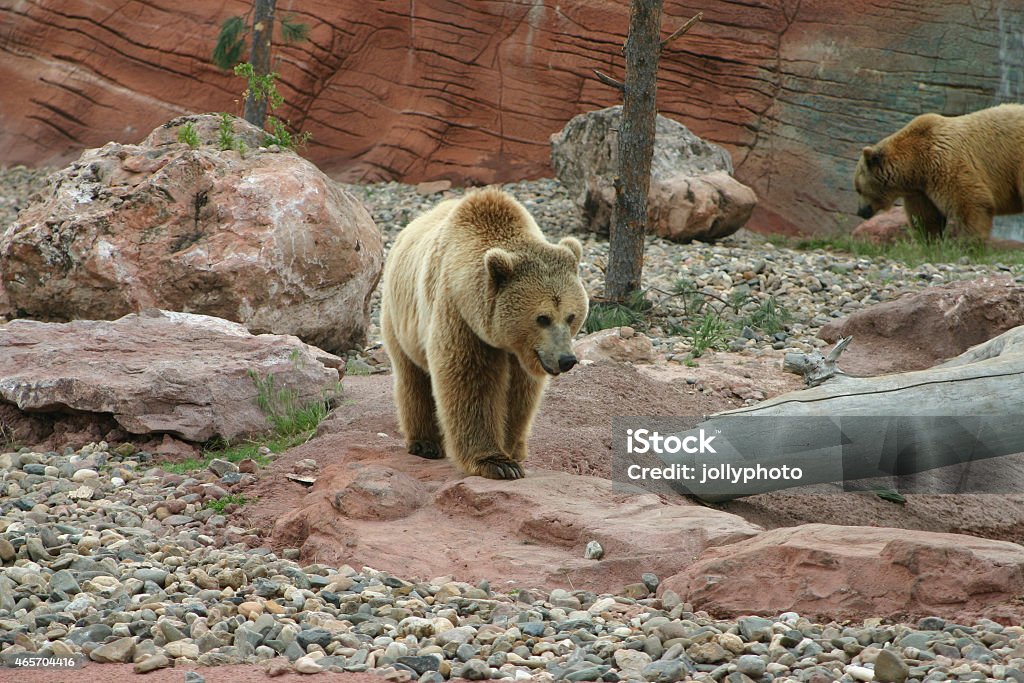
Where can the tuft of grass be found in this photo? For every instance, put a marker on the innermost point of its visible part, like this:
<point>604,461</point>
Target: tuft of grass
<point>710,332</point>
<point>286,414</point>
<point>293,423</point>
<point>221,503</point>
<point>188,135</point>
<point>606,314</point>
<point>355,369</point>
<point>770,317</point>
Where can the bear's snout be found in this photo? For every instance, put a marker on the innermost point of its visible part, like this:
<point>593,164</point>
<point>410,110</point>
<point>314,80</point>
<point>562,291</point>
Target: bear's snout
<point>566,362</point>
<point>865,211</point>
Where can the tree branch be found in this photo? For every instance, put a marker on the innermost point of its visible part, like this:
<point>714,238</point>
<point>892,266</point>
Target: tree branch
<point>609,81</point>
<point>682,29</point>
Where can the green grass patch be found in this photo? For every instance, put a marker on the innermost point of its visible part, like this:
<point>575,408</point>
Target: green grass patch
<point>287,415</point>
<point>770,317</point>
<point>354,368</point>
<point>607,314</point>
<point>293,423</point>
<point>221,503</point>
<point>913,250</point>
<point>710,332</point>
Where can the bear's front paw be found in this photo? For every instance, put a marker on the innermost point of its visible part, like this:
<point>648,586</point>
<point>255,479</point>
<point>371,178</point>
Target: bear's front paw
<point>499,467</point>
<point>431,450</point>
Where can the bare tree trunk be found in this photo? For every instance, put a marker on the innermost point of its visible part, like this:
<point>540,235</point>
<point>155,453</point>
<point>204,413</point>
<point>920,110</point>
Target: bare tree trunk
<point>636,147</point>
<point>259,57</point>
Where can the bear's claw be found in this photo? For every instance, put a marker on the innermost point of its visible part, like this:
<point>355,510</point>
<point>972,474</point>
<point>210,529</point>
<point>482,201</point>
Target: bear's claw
<point>430,450</point>
<point>500,467</point>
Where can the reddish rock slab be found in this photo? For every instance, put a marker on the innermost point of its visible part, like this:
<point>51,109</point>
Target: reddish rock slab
<point>157,373</point>
<point>792,89</point>
<point>424,519</point>
<point>919,329</point>
<point>848,572</point>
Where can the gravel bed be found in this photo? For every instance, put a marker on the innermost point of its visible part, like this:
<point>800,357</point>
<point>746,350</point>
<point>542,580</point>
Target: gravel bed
<point>108,557</point>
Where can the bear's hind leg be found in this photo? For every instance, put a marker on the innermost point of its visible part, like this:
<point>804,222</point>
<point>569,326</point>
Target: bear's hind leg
<point>415,402</point>
<point>976,222</point>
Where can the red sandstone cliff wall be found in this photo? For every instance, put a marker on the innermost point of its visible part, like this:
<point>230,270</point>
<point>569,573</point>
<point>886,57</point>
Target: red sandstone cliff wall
<point>471,89</point>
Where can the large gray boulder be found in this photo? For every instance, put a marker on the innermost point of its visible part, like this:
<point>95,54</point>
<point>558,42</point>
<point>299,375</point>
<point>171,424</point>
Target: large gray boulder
<point>692,196</point>
<point>260,237</point>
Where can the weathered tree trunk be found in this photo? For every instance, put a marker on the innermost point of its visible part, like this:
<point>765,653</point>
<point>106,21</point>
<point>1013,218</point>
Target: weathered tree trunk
<point>259,57</point>
<point>953,418</point>
<point>636,147</point>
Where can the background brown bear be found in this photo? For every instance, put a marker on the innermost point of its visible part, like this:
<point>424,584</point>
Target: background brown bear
<point>953,173</point>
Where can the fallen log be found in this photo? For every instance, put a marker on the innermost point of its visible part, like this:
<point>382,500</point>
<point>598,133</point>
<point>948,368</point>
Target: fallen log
<point>959,417</point>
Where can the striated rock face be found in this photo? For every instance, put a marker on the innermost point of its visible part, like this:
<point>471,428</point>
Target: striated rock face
<point>158,372</point>
<point>263,238</point>
<point>917,330</point>
<point>692,194</point>
<point>846,572</point>
<point>792,89</point>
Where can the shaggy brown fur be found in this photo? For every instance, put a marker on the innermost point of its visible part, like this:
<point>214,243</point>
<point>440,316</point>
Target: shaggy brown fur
<point>954,173</point>
<point>478,310</point>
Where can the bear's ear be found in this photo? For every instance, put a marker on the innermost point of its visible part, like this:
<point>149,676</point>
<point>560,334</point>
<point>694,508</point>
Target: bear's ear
<point>573,245</point>
<point>501,265</point>
<point>873,157</point>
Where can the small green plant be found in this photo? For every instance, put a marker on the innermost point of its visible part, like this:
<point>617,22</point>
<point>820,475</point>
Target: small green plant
<point>282,137</point>
<point>710,333</point>
<point>221,503</point>
<point>770,317</point>
<point>286,414</point>
<point>188,135</point>
<point>293,423</point>
<point>226,135</point>
<point>264,88</point>
<point>355,369</point>
<point>604,315</point>
<point>692,298</point>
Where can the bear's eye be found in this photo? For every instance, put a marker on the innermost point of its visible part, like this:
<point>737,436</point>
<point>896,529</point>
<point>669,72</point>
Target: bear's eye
<point>571,319</point>
<point>543,320</point>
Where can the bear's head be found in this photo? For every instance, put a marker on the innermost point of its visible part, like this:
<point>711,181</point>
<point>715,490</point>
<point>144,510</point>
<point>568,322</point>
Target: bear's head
<point>538,303</point>
<point>874,182</point>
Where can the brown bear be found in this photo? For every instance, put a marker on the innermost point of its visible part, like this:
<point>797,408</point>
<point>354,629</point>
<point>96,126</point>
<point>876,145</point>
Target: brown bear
<point>478,311</point>
<point>953,173</point>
